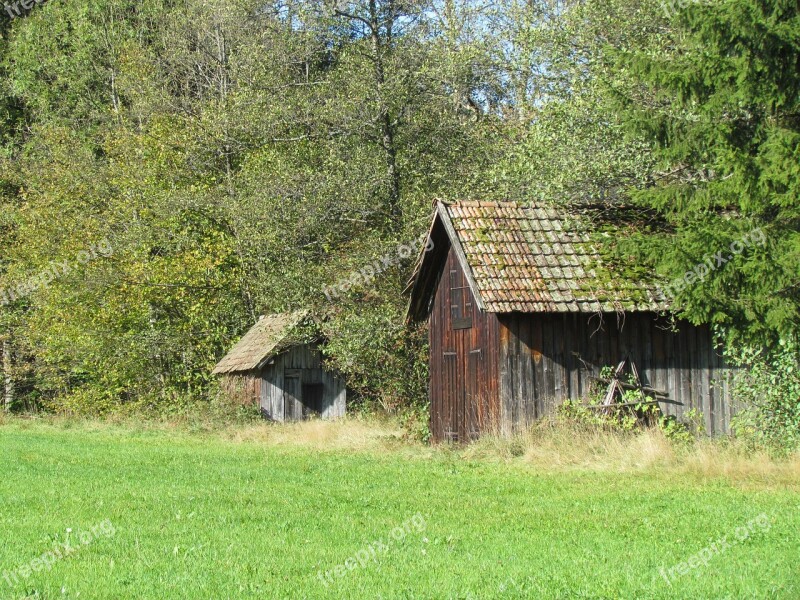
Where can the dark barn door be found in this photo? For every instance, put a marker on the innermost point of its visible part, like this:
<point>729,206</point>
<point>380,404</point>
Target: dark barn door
<point>312,399</point>
<point>292,395</point>
<point>303,395</point>
<point>448,410</point>
<point>465,410</point>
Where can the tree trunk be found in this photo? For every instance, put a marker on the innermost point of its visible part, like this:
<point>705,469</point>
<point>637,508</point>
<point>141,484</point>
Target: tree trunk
<point>387,127</point>
<point>8,379</point>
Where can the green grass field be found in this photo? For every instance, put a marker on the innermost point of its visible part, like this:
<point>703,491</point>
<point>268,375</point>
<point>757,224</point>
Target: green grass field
<point>179,515</point>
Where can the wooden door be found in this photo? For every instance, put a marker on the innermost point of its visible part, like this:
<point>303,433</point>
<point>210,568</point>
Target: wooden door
<point>477,409</point>
<point>453,388</point>
<point>292,395</point>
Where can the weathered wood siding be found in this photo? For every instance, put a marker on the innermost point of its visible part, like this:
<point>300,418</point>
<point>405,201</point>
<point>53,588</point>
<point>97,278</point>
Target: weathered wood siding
<point>546,359</point>
<point>295,382</point>
<point>463,348</point>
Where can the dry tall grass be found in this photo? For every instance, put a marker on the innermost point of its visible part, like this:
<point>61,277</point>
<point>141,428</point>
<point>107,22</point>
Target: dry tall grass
<point>545,447</point>
<point>561,446</point>
<point>344,434</point>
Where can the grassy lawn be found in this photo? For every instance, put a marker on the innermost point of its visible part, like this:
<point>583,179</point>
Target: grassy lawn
<point>177,515</point>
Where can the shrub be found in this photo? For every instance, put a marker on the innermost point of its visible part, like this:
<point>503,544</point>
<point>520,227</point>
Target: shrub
<point>629,418</point>
<point>768,385</point>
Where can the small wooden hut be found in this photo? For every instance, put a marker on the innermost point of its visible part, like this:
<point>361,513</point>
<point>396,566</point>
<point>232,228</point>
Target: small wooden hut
<point>277,365</point>
<point>523,315</point>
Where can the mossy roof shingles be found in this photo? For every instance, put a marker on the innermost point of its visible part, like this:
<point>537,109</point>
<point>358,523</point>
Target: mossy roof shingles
<point>269,337</point>
<point>535,259</point>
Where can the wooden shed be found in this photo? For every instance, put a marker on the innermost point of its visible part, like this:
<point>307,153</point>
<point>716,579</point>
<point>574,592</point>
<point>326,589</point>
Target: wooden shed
<point>277,365</point>
<point>523,315</point>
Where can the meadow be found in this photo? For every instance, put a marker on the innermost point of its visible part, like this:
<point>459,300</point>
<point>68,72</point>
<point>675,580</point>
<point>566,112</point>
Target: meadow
<point>98,510</point>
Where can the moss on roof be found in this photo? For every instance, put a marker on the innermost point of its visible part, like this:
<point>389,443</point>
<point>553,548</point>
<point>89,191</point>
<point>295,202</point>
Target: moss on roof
<point>270,336</point>
<point>537,259</point>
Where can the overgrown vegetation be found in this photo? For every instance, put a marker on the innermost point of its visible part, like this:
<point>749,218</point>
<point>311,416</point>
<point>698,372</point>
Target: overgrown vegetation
<point>769,386</point>
<point>239,157</point>
<point>632,412</point>
<point>766,384</point>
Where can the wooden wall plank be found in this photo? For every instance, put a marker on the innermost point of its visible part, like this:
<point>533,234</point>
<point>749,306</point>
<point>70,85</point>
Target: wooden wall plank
<point>644,324</point>
<point>516,348</point>
<point>536,327</point>
<point>605,354</point>
<point>548,372</point>
<point>559,375</point>
<point>574,345</point>
<point>685,360</point>
<point>527,401</point>
<point>492,372</point>
<point>565,361</point>
<point>506,380</point>
<point>702,376</point>
<point>657,367</point>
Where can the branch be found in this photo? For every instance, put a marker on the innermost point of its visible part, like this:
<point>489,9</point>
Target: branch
<point>346,15</point>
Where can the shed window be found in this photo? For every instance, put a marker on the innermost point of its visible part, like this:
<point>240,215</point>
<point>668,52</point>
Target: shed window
<point>460,301</point>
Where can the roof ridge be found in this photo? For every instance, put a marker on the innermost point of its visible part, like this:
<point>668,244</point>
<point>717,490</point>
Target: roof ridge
<point>515,204</point>
<point>483,203</point>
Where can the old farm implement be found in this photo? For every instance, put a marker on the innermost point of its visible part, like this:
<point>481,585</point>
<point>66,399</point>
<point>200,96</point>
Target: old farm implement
<point>627,397</point>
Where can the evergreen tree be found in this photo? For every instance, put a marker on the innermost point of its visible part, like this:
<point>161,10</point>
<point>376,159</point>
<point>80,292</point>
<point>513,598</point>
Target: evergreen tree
<point>719,104</point>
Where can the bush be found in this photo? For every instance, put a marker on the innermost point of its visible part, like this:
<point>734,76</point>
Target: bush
<point>415,421</point>
<point>768,385</point>
<point>384,362</point>
<point>629,418</point>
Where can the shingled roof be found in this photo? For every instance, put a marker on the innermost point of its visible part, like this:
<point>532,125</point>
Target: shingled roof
<point>267,338</point>
<point>527,259</point>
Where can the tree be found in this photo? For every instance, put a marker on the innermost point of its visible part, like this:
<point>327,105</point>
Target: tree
<point>719,105</point>
<point>238,158</point>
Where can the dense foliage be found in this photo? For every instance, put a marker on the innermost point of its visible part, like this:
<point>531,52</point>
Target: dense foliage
<point>171,170</point>
<point>769,386</point>
<point>237,158</point>
<point>720,108</point>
